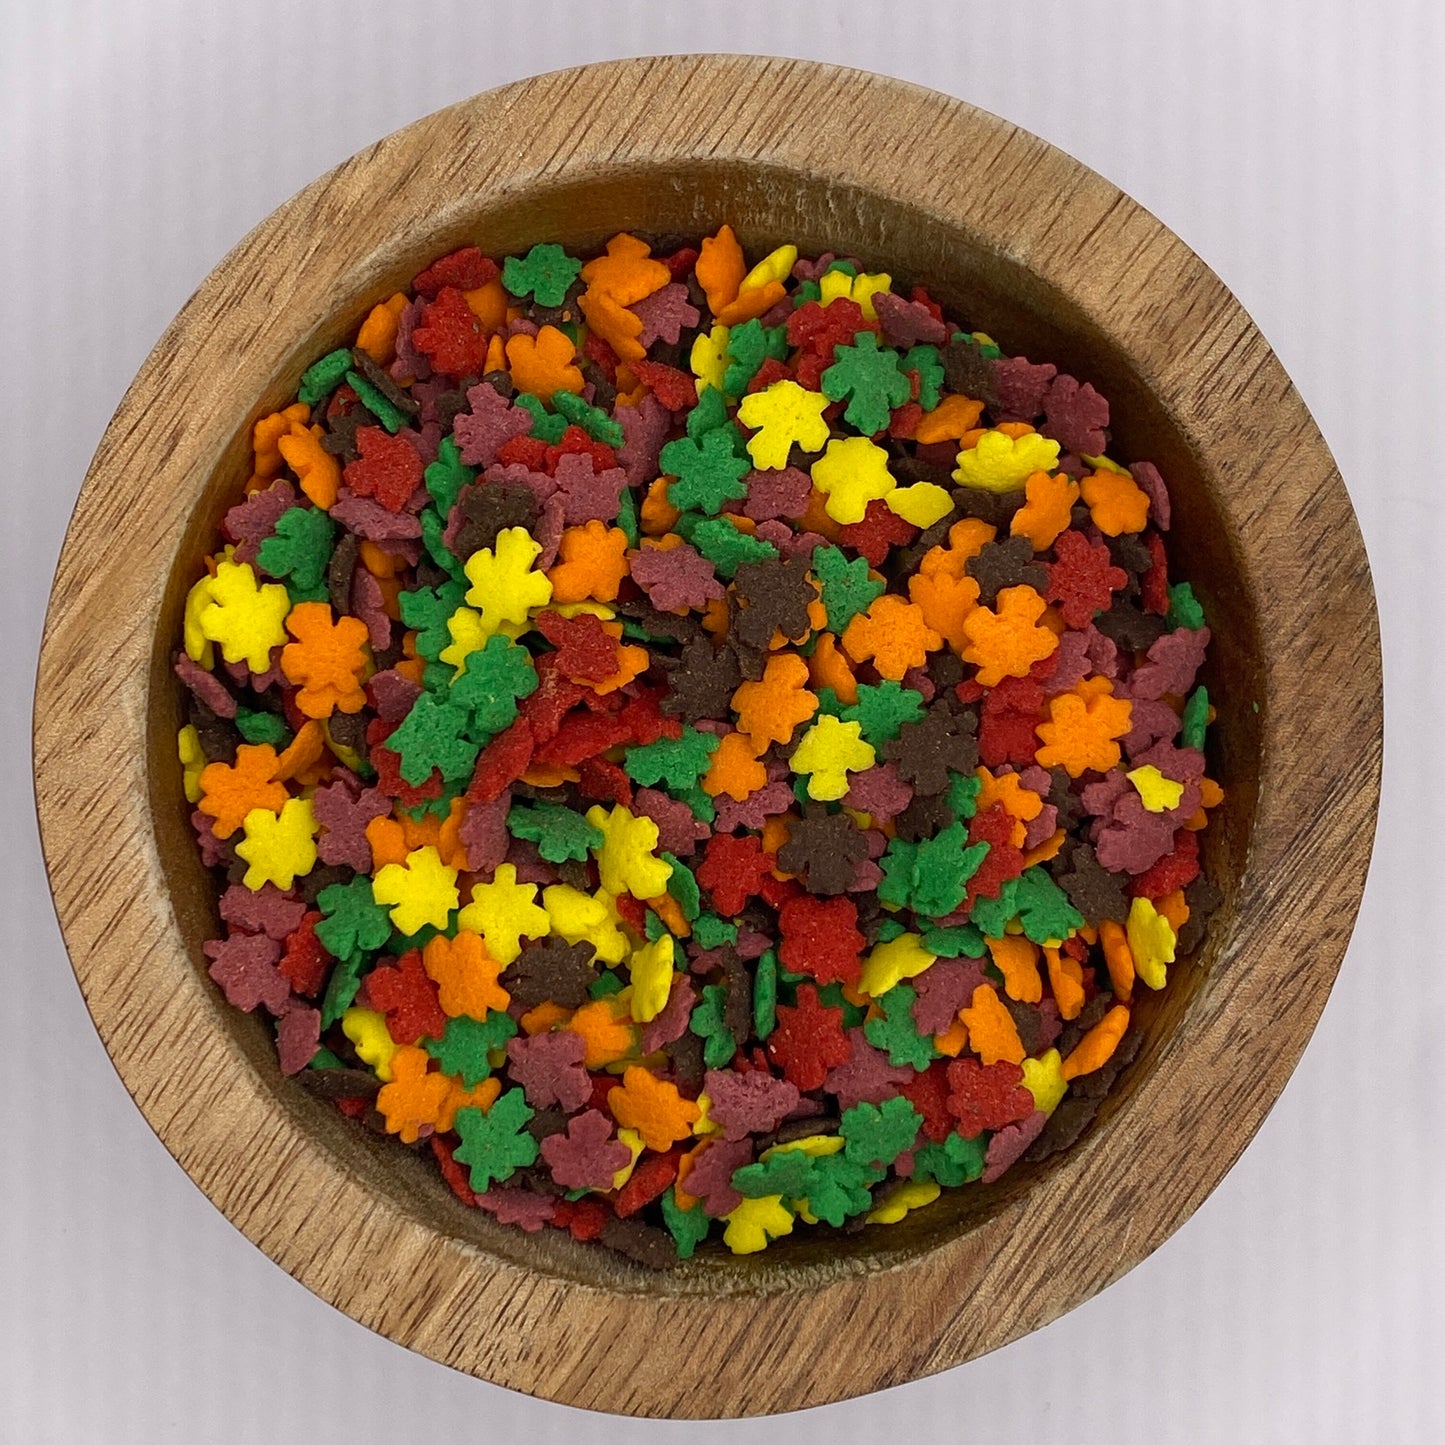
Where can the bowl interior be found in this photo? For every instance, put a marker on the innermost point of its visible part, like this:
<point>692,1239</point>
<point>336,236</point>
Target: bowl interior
<point>977,283</point>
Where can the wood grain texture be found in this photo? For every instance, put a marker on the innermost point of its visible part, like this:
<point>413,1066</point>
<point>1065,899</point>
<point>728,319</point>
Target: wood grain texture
<point>1029,245</point>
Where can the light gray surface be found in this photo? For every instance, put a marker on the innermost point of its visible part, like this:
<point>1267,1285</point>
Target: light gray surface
<point>1292,143</point>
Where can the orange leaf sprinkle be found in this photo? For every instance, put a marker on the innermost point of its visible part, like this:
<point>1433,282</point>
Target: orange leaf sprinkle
<point>465,975</point>
<point>304,752</point>
<point>381,564</point>
<point>1047,510</point>
<point>1097,1046</point>
<point>591,563</point>
<point>543,364</point>
<point>1018,960</point>
<point>488,304</point>
<point>1116,503</point>
<point>777,829</point>
<point>828,667</point>
<point>1174,909</point>
<point>1021,803</point>
<point>1118,957</point>
<point>266,459</point>
<point>717,617</point>
<point>1049,848</point>
<point>735,769</point>
<point>893,634</point>
<point>422,832</point>
<point>945,601</point>
<point>1083,734</point>
<point>684,1168</point>
<point>614,323</point>
<point>1011,429</point>
<point>543,1019</point>
<point>449,840</point>
<point>414,1097</point>
<point>815,517</point>
<point>966,538</point>
<point>670,911</point>
<point>482,1097</point>
<point>654,1108</point>
<point>720,268</point>
<point>327,659</point>
<point>377,337</point>
<point>1005,640</point>
<point>387,840</point>
<point>953,1040</point>
<point>627,272</point>
<point>769,710</point>
<point>606,1036</point>
<point>318,472</point>
<point>1066,979</point>
<point>755,301</point>
<point>992,1033</point>
<point>615,281</point>
<point>541,775</point>
<point>632,661</point>
<point>953,417</point>
<point>231,790</point>
<point>657,515</point>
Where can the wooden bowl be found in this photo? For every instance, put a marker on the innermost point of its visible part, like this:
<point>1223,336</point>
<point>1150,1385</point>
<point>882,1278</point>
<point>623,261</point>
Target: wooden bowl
<point>1030,246</point>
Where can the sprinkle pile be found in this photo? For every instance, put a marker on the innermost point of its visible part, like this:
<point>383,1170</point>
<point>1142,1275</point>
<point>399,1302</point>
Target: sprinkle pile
<point>699,748</point>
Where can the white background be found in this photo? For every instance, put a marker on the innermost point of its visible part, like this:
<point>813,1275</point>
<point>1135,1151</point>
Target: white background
<point>1295,144</point>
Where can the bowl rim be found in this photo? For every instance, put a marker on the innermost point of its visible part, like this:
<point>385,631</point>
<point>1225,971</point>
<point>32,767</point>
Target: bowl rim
<point>594,1344</point>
